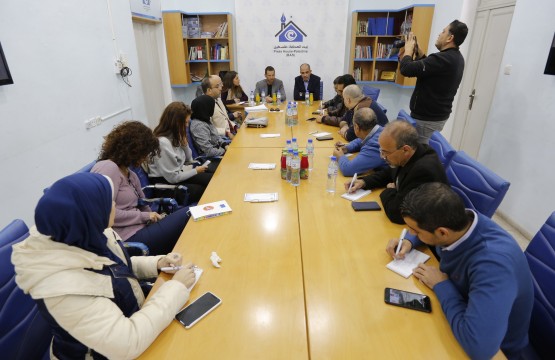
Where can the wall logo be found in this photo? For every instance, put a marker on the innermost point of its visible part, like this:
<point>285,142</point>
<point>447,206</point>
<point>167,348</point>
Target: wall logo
<point>146,2</point>
<point>290,32</point>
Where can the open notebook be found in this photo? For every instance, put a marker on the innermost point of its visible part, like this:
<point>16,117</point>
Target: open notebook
<point>404,267</point>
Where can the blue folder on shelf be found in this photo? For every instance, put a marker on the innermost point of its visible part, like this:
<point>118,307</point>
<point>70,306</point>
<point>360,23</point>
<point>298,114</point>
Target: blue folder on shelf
<point>371,27</point>
<point>381,26</point>
<point>390,23</point>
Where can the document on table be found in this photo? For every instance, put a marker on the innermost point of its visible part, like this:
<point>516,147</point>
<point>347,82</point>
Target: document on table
<point>269,135</point>
<point>261,197</point>
<point>318,134</point>
<point>404,267</point>
<point>262,166</point>
<point>256,108</point>
<point>356,195</point>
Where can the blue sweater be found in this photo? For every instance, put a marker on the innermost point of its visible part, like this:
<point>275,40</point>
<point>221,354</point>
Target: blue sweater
<point>368,158</point>
<point>489,296</point>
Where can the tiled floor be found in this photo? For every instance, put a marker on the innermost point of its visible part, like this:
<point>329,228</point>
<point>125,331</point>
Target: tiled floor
<point>519,237</point>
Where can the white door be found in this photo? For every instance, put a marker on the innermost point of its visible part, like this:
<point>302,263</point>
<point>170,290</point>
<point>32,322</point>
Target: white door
<point>150,63</point>
<point>489,35</point>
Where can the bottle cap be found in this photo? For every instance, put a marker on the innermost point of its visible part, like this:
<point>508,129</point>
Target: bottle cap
<point>294,139</point>
<point>333,158</point>
<point>309,140</point>
<point>288,142</point>
<point>295,152</point>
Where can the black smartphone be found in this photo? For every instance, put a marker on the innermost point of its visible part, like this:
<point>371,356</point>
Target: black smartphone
<point>317,112</point>
<point>311,119</point>
<point>325,137</point>
<point>198,309</point>
<point>366,206</point>
<point>408,300</point>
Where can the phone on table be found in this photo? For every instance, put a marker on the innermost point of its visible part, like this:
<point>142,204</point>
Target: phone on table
<point>198,309</point>
<point>408,300</point>
<point>365,206</point>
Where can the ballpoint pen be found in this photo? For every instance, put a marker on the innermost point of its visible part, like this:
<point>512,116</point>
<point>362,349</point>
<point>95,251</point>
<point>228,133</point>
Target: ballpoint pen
<point>175,268</point>
<point>403,233</point>
<point>352,182</point>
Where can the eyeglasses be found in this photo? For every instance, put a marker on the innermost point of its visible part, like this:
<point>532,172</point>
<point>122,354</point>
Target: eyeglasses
<point>275,109</point>
<point>384,154</point>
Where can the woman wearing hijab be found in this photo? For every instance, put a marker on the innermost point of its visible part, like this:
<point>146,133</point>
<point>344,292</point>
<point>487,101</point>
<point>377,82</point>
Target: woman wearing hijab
<point>205,135</point>
<point>130,144</point>
<point>85,285</point>
<point>175,164</point>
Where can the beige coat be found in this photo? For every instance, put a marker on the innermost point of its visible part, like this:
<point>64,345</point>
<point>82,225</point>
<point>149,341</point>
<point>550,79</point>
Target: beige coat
<point>220,119</point>
<point>79,300</point>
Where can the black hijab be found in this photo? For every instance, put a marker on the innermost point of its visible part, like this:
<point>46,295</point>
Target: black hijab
<point>203,108</point>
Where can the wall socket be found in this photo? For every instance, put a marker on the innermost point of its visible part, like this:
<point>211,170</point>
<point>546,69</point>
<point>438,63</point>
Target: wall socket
<point>95,121</point>
<point>120,62</point>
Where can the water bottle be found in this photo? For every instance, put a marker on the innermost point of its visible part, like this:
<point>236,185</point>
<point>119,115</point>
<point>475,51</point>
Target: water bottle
<point>332,175</point>
<point>278,98</point>
<point>295,169</point>
<point>251,99</point>
<point>294,144</point>
<point>288,164</point>
<point>310,153</point>
<point>288,145</point>
<point>289,116</point>
<point>295,115</point>
<point>307,98</point>
<point>263,97</point>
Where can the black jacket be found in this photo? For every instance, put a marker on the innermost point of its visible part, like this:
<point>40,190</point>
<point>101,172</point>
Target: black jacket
<point>313,87</point>
<point>438,78</point>
<point>423,167</point>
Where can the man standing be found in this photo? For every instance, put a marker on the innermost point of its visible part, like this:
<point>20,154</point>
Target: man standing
<point>306,82</point>
<point>270,85</point>
<point>410,165</point>
<point>368,131</point>
<point>483,282</point>
<point>438,78</point>
<point>212,86</point>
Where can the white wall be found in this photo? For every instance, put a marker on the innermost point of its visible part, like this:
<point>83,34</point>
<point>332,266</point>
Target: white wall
<point>518,140</point>
<point>61,58</point>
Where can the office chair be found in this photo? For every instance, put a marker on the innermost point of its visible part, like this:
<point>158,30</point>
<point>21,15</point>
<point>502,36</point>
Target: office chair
<point>24,334</point>
<point>321,90</point>
<point>161,197</point>
<point>540,254</point>
<point>480,188</point>
<point>405,116</point>
<point>442,147</point>
<point>371,92</point>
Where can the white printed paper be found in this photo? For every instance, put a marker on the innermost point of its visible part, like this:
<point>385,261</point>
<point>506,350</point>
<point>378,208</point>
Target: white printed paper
<point>262,166</point>
<point>269,135</point>
<point>261,197</point>
<point>356,195</point>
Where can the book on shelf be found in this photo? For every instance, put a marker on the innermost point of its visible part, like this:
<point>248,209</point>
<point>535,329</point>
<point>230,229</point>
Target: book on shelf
<point>357,73</point>
<point>362,27</point>
<point>222,30</point>
<point>363,52</point>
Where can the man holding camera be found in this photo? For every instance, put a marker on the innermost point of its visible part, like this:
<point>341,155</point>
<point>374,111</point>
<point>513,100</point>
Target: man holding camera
<point>438,78</point>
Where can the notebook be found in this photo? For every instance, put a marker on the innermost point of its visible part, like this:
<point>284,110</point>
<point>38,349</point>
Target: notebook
<point>404,267</point>
<point>209,210</point>
<point>356,195</point>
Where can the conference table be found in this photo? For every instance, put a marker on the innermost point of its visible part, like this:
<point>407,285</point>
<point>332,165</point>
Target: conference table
<point>302,277</point>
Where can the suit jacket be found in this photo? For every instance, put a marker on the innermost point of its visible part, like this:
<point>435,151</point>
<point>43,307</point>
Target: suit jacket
<point>262,85</point>
<point>220,119</point>
<point>423,167</point>
<point>313,87</point>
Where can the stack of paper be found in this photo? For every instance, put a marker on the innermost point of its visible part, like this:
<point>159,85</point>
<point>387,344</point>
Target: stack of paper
<point>209,210</point>
<point>262,166</point>
<point>260,107</point>
<point>261,197</point>
<point>404,267</point>
<point>356,195</point>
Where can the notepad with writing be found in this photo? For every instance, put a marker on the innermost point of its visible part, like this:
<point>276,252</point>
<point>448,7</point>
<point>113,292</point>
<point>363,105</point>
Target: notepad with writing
<point>356,195</point>
<point>209,210</point>
<point>404,267</point>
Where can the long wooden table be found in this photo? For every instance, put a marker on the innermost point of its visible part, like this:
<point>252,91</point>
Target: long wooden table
<point>301,278</point>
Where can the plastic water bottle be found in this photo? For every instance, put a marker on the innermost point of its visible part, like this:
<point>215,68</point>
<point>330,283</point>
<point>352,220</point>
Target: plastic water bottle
<point>332,175</point>
<point>295,114</point>
<point>310,153</point>
<point>294,144</point>
<point>295,169</point>
<point>288,145</point>
<point>251,99</point>
<point>289,116</point>
<point>279,98</point>
<point>288,164</point>
<point>263,97</point>
<point>307,98</point>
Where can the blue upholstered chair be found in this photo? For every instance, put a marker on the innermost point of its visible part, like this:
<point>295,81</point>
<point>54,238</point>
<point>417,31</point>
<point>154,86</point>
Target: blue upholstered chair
<point>479,187</point>
<point>540,254</point>
<point>405,116</point>
<point>371,92</point>
<point>24,334</point>
<point>442,147</point>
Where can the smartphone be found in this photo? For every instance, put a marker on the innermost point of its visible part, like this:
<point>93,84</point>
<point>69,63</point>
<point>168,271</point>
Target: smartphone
<point>317,112</point>
<point>325,137</point>
<point>311,119</point>
<point>206,163</point>
<point>198,309</point>
<point>408,300</point>
<point>366,206</point>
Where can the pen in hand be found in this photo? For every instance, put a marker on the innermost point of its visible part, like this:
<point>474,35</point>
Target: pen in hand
<point>403,234</point>
<point>352,182</point>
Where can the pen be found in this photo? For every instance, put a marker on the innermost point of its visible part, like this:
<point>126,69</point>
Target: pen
<point>171,268</point>
<point>403,233</point>
<point>352,182</point>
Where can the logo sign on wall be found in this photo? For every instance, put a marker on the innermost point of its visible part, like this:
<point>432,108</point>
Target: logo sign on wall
<point>290,33</point>
<point>146,9</point>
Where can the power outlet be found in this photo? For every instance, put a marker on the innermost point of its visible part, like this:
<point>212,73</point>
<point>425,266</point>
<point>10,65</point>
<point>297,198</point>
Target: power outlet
<point>89,124</point>
<point>120,62</point>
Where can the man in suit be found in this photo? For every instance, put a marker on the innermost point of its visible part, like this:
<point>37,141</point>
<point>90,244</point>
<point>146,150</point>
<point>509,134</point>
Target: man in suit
<point>410,165</point>
<point>212,86</point>
<point>307,81</point>
<point>270,85</point>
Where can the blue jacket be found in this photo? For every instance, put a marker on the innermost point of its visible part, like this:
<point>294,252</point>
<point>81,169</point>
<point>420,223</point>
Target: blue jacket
<point>368,157</point>
<point>489,296</point>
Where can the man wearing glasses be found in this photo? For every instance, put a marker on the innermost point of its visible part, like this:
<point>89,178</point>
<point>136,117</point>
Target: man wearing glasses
<point>410,165</point>
<point>212,86</point>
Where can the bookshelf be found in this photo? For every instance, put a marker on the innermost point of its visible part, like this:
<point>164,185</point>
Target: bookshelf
<point>372,37</point>
<point>197,45</point>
